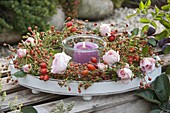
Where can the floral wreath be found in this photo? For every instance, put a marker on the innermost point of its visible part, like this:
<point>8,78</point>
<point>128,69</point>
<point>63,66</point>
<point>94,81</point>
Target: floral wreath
<point>126,55</point>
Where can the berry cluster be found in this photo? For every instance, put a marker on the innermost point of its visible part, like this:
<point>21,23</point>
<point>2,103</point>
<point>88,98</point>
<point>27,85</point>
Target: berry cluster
<point>123,58</point>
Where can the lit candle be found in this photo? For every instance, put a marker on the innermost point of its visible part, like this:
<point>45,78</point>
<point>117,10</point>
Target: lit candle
<point>83,51</point>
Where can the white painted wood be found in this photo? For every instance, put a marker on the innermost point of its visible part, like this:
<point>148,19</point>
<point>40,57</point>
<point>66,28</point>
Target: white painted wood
<point>98,88</point>
<point>34,91</point>
<point>87,98</point>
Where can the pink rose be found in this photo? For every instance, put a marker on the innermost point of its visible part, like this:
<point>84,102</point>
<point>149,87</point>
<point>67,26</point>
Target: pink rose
<point>21,52</point>
<point>105,29</point>
<point>111,57</point>
<point>29,41</point>
<point>102,66</point>
<point>26,68</point>
<point>127,65</point>
<point>125,74</point>
<point>60,62</point>
<point>147,64</point>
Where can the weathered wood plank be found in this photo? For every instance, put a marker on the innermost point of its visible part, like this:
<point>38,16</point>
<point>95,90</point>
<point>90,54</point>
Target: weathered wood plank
<point>97,103</point>
<point>137,106</point>
<point>166,59</point>
<point>4,62</point>
<point>27,98</point>
<point>158,50</point>
<point>11,86</point>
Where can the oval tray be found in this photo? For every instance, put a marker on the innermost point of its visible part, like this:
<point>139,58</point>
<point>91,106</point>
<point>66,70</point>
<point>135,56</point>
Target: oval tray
<point>97,88</point>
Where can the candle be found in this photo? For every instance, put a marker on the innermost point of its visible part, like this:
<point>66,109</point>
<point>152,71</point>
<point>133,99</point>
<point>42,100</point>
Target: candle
<point>83,51</point>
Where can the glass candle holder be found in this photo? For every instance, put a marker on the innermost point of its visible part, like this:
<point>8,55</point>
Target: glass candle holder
<point>83,47</point>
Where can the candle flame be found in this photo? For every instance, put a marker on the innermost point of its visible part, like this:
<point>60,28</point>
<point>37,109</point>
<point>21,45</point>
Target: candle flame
<point>84,45</point>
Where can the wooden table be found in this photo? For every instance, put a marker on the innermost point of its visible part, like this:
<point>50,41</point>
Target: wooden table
<point>44,103</point>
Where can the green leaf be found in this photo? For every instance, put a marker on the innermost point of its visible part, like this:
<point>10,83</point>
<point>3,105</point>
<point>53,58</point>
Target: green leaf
<point>19,74</point>
<point>162,87</point>
<point>141,5</point>
<point>114,78</point>
<point>167,49</point>
<point>145,28</point>
<point>148,95</point>
<point>152,41</point>
<point>135,31</point>
<point>155,111</point>
<point>165,23</point>
<point>28,109</point>
<point>148,3</point>
<point>165,106</point>
<point>168,1</point>
<point>154,24</point>
<point>167,17</point>
<point>153,14</point>
<point>156,9</point>
<point>132,15</point>
<point>165,7</point>
<point>144,11</point>
<point>168,70</point>
<point>145,49</point>
<point>161,14</point>
<point>162,35</point>
<point>158,18</point>
<point>144,20</point>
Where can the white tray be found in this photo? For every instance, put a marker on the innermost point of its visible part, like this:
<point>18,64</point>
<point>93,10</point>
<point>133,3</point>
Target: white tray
<point>98,88</point>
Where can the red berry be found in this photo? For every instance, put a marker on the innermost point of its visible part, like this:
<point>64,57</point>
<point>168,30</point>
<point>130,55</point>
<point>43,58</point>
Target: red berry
<point>113,32</point>
<point>130,58</point>
<point>95,24</point>
<point>69,18</point>
<point>79,90</point>
<point>41,77</point>
<point>42,33</point>
<point>141,87</point>
<point>144,87</point>
<point>91,67</point>
<point>29,29</point>
<point>43,65</point>
<point>43,71</point>
<point>85,72</point>
<point>94,59</point>
<point>111,38</point>
<point>69,24</point>
<point>141,83</point>
<point>130,62</point>
<point>148,85</point>
<point>69,88</point>
<point>36,27</point>
<point>73,29</point>
<point>132,49</point>
<point>16,66</point>
<point>46,77</point>
<point>58,32</point>
<point>136,58</point>
<point>149,78</point>
<point>52,27</point>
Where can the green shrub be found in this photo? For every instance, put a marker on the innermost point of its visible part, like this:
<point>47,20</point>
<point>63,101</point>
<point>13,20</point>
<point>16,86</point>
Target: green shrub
<point>18,15</point>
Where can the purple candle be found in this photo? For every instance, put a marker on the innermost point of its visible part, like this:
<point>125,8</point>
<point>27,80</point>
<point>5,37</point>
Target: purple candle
<point>83,51</point>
